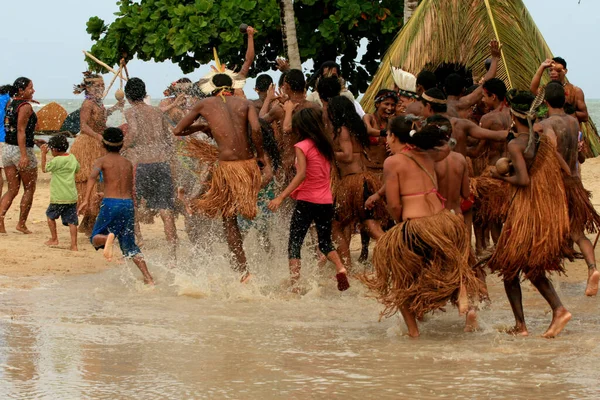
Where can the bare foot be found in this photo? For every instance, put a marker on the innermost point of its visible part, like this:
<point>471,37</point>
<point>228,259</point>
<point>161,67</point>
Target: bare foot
<point>74,248</point>
<point>413,333</point>
<point>342,281</point>
<point>108,247</point>
<point>149,281</point>
<point>246,277</point>
<point>471,325</point>
<point>518,330</point>
<point>23,229</point>
<point>592,283</point>
<point>51,242</point>
<point>560,319</point>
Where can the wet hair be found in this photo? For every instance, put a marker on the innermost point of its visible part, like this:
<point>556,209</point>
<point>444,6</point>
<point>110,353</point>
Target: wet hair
<point>495,86</point>
<point>88,81</point>
<point>520,101</point>
<point>436,123</point>
<point>308,124</point>
<point>295,78</point>
<point>341,112</point>
<point>5,89</point>
<point>175,89</point>
<point>426,79</point>
<point>263,82</point>
<point>313,82</point>
<point>385,94</point>
<point>135,89</point>
<point>183,80</point>
<point>454,85</point>
<point>406,130</point>
<point>436,94</point>
<point>222,81</point>
<point>19,84</point>
<point>329,88</point>
<point>112,140</point>
<point>281,80</point>
<point>58,143</point>
<point>561,61</point>
<point>555,95</point>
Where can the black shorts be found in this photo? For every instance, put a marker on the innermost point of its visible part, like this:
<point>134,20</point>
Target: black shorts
<point>154,183</point>
<point>67,212</point>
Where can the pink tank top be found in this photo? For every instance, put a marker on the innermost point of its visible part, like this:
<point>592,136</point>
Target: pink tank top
<point>316,187</point>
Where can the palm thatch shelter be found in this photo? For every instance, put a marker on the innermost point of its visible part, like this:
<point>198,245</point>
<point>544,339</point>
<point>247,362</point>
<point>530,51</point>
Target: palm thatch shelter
<point>458,32</point>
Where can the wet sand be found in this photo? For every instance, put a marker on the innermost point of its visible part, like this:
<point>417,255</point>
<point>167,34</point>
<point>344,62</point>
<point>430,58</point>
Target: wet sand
<point>75,326</point>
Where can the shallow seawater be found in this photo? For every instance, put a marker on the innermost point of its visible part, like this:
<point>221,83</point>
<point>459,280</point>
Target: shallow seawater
<point>200,334</point>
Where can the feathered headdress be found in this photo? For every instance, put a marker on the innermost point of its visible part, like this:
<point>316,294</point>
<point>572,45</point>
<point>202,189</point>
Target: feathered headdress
<point>406,82</point>
<point>89,78</point>
<point>208,86</point>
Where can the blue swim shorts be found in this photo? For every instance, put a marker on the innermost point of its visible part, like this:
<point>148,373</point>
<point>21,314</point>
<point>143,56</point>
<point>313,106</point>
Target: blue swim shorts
<point>117,216</point>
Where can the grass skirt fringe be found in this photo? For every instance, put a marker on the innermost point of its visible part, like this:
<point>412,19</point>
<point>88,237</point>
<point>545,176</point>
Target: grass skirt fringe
<point>422,263</point>
<point>233,190</point>
<point>536,230</point>
<point>87,150</point>
<point>350,197</point>
<point>492,197</point>
<point>582,213</point>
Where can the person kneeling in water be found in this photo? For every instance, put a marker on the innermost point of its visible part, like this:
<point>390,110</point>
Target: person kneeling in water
<point>312,191</point>
<point>115,219</point>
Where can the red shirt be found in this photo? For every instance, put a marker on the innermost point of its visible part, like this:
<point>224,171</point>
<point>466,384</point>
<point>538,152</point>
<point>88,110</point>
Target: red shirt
<point>316,187</point>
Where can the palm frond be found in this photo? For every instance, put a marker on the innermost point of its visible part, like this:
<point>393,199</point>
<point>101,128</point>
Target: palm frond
<point>459,32</point>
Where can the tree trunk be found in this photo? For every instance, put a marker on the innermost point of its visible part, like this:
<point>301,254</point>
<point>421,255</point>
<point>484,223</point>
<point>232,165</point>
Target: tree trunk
<point>288,31</point>
<point>409,8</point>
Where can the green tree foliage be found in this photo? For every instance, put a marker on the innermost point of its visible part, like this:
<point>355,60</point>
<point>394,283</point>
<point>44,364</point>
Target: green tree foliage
<point>185,32</point>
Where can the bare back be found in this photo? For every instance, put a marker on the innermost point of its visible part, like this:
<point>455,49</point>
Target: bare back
<point>117,173</point>
<point>149,139</point>
<point>348,154</point>
<point>496,120</point>
<point>228,120</point>
<point>416,188</point>
<point>453,180</point>
<point>566,129</point>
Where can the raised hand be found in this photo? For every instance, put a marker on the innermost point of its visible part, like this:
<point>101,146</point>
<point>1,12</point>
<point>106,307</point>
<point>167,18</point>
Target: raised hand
<point>495,49</point>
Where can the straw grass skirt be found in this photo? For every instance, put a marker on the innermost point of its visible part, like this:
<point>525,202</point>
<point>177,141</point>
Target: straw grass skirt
<point>422,263</point>
<point>536,230</point>
<point>87,150</point>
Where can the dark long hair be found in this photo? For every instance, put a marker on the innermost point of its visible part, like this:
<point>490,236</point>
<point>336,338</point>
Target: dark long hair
<point>308,124</point>
<point>343,113</point>
<point>433,134</point>
<point>20,84</point>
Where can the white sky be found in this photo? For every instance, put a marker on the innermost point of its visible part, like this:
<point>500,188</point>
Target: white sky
<point>43,40</point>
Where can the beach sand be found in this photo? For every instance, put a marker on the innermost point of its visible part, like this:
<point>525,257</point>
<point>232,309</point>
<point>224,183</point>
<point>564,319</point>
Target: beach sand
<point>26,255</point>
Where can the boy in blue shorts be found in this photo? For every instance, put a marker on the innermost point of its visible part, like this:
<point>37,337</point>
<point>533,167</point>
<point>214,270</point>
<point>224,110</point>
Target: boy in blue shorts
<point>116,217</point>
<point>63,193</point>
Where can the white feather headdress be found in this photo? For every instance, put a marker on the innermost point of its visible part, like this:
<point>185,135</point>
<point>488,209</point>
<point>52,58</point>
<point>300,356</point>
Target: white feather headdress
<point>406,82</point>
<point>208,86</point>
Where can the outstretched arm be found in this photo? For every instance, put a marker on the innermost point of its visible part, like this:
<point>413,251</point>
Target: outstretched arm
<point>477,132</point>
<point>296,181</point>
<point>471,99</point>
<point>249,53</point>
<point>187,126</point>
